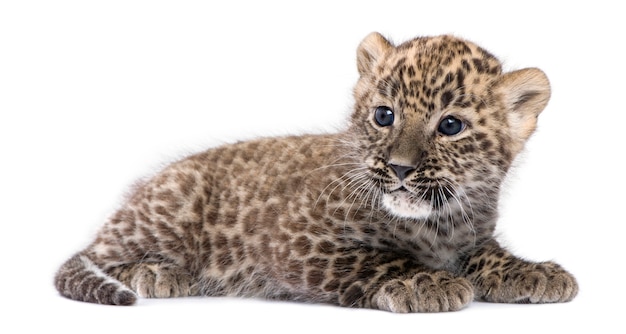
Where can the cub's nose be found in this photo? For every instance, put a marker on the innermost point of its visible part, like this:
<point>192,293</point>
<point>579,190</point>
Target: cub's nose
<point>401,170</point>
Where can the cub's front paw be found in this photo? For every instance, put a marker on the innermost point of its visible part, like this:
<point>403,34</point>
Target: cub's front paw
<point>543,282</point>
<point>425,292</point>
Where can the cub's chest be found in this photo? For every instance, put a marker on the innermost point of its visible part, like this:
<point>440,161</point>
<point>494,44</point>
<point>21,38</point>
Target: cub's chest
<point>437,249</point>
<point>438,246</point>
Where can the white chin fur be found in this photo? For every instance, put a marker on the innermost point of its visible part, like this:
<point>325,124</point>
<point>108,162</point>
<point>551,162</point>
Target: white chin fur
<point>401,205</point>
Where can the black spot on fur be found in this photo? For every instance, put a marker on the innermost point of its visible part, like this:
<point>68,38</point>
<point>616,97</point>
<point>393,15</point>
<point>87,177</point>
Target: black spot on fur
<point>446,98</point>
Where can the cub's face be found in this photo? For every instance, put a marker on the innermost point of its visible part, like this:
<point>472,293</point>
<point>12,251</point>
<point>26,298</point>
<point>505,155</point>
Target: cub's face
<point>437,124</point>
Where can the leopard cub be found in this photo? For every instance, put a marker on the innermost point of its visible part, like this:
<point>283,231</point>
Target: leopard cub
<point>396,212</point>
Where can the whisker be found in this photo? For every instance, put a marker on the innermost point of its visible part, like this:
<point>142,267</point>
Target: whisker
<point>445,208</point>
<point>355,194</point>
<point>339,182</point>
<point>458,194</point>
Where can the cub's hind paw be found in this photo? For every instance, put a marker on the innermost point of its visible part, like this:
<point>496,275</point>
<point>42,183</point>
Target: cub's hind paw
<point>160,281</point>
<point>425,292</point>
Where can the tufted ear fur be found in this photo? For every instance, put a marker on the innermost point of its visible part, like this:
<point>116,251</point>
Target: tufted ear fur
<point>370,50</point>
<point>525,94</point>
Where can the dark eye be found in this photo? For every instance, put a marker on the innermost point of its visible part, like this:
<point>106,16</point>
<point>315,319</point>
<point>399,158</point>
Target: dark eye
<point>383,116</point>
<point>450,126</point>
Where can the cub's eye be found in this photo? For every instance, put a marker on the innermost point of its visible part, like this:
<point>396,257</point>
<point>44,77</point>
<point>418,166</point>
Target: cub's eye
<point>383,116</point>
<point>450,126</point>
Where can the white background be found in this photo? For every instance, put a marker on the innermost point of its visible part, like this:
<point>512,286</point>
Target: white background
<point>94,95</point>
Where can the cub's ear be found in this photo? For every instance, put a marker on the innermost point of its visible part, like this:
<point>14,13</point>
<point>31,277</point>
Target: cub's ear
<point>370,50</point>
<point>525,93</point>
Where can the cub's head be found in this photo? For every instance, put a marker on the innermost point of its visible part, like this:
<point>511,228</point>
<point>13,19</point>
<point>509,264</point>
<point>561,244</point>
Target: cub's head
<point>436,123</point>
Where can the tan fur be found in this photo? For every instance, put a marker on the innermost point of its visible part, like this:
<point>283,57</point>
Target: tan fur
<point>396,216</point>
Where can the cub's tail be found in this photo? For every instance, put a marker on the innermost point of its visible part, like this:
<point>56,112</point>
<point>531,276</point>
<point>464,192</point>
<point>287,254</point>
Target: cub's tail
<point>80,279</point>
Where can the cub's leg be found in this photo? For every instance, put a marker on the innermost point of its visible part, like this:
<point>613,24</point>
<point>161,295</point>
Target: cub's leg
<point>155,280</point>
<point>395,283</point>
<point>437,291</point>
<point>499,276</point>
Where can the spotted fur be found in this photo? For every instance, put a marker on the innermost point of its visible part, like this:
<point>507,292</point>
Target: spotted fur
<point>397,216</point>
